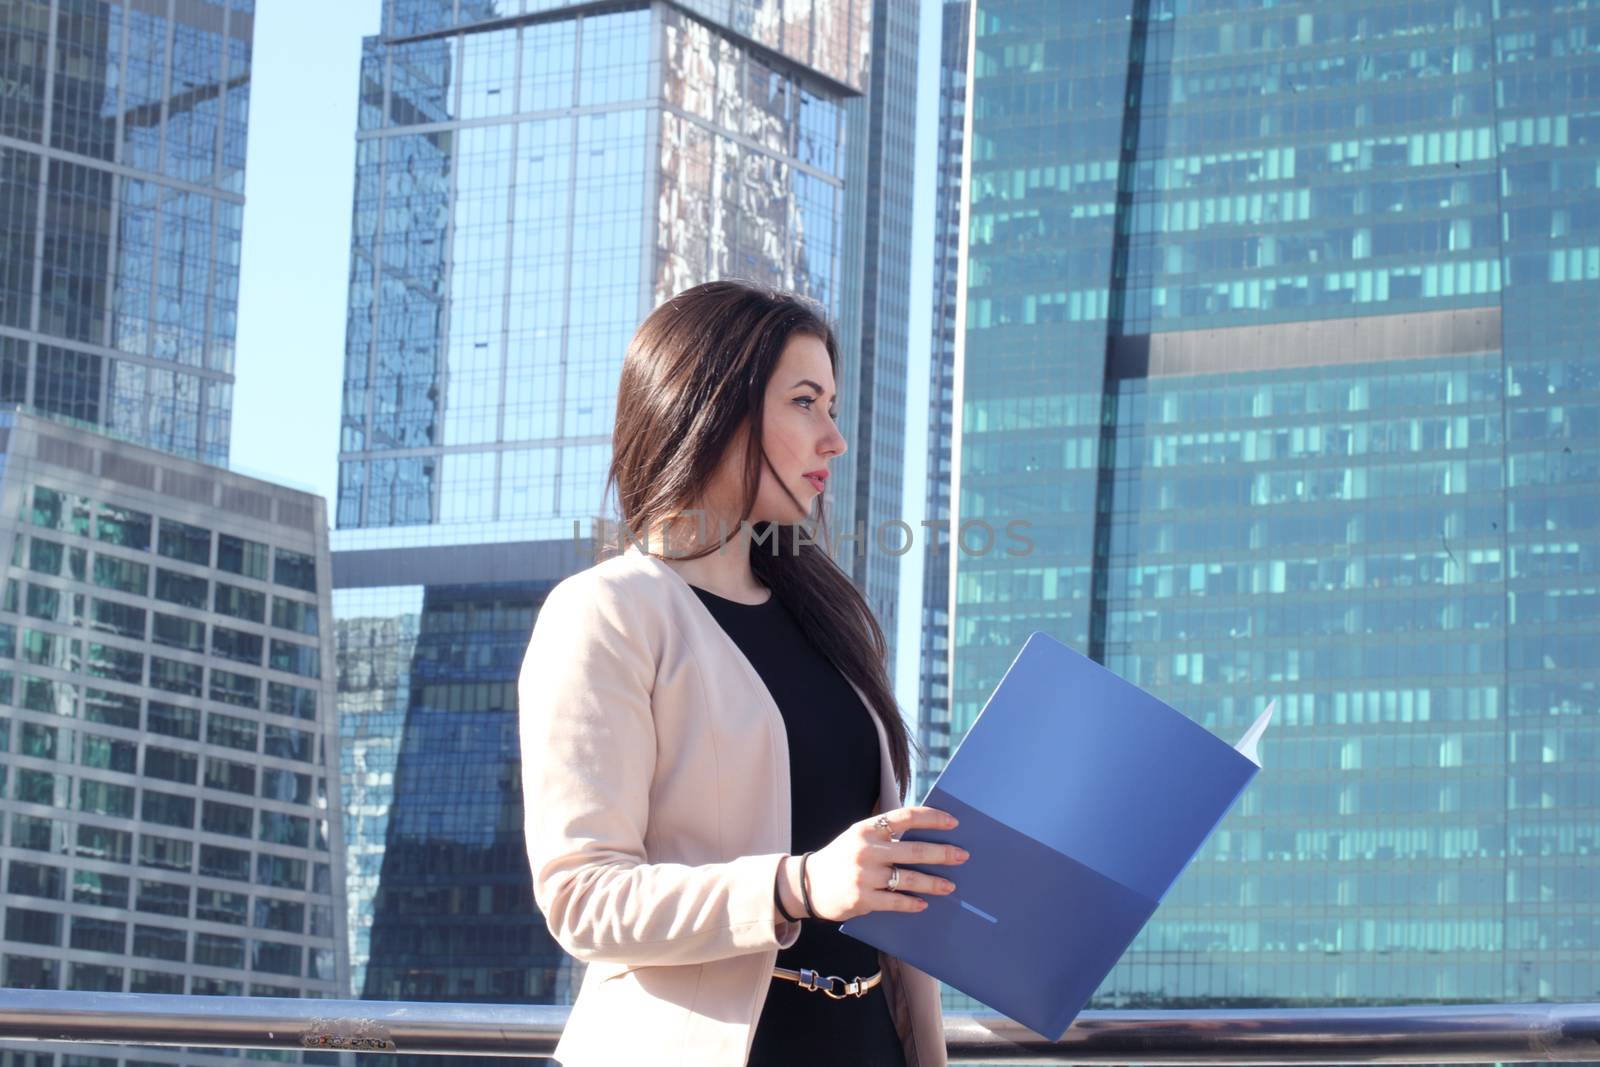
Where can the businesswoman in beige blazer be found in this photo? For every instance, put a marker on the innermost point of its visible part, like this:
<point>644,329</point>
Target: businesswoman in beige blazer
<point>713,763</point>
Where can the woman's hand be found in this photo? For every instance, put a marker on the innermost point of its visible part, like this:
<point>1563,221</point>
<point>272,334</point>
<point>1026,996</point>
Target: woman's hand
<point>850,875</point>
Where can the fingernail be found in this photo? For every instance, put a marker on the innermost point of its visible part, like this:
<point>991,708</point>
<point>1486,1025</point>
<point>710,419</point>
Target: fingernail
<point>949,887</point>
<point>951,821</point>
<point>962,855</point>
<point>922,905</point>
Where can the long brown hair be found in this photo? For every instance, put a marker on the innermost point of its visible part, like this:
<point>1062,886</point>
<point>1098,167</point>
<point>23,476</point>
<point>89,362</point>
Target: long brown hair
<point>694,383</point>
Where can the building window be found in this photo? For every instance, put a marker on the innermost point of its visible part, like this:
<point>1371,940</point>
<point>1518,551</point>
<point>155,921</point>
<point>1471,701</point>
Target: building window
<point>113,709</point>
<point>280,871</point>
<point>175,677</point>
<point>214,987</point>
<point>286,699</point>
<point>180,541</point>
<point>230,819</point>
<point>240,603</point>
<point>101,890</point>
<point>296,659</point>
<point>99,935</point>
<point>95,978</point>
<point>101,843</point>
<point>108,754</point>
<point>285,785</point>
<point>165,853</point>
<point>44,557</point>
<point>103,798</point>
<point>219,862</point>
<point>44,602</point>
<point>238,555</point>
<point>240,690</point>
<point>168,809</point>
<point>33,927</point>
<point>35,832</point>
<point>295,570</point>
<point>220,906</point>
<point>38,741</point>
<point>185,590</point>
<point>27,972</point>
<point>170,765</point>
<point>280,829</point>
<point>287,743</point>
<point>173,721</point>
<point>287,916</point>
<point>47,508</point>
<point>231,776</point>
<point>163,898</point>
<point>216,950</point>
<point>177,632</point>
<point>160,943</point>
<point>272,958</point>
<point>121,575</point>
<point>155,982</point>
<point>123,527</point>
<point>237,645</point>
<point>36,880</point>
<point>117,664</point>
<point>231,731</point>
<point>108,616</point>
<point>294,615</point>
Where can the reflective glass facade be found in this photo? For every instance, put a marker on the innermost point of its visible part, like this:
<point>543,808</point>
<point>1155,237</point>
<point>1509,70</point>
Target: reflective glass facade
<point>122,152</point>
<point>878,418</point>
<point>169,790</point>
<point>530,184</point>
<point>933,684</point>
<point>1279,330</point>
<point>525,194</point>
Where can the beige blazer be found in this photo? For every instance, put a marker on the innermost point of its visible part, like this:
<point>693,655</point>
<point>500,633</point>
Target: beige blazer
<point>656,779</point>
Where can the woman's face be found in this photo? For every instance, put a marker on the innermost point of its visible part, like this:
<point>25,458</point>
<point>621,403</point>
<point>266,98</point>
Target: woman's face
<point>798,436</point>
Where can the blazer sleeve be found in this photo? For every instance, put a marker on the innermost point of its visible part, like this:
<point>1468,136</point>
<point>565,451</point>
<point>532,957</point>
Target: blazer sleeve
<point>588,745</point>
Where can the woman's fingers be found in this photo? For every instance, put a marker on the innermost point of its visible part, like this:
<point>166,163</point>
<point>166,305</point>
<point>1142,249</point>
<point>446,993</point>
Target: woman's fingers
<point>925,852</point>
<point>915,818</point>
<point>929,884</point>
<point>883,900</point>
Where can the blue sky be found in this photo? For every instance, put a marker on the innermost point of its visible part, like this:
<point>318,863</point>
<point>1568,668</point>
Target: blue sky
<point>299,174</point>
<point>296,258</point>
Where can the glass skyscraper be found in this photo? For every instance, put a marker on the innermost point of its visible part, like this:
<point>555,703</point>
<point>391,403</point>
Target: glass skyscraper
<point>1280,328</point>
<point>122,151</point>
<point>933,681</point>
<point>875,423</point>
<point>532,179</point>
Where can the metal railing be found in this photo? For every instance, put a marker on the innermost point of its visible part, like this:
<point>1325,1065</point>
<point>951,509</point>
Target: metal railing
<point>1480,1033</point>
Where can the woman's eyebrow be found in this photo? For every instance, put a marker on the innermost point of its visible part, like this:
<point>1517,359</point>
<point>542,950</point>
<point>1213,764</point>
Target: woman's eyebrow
<point>808,381</point>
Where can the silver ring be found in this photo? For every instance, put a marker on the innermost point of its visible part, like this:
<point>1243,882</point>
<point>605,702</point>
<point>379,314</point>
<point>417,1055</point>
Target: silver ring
<point>882,823</point>
<point>894,880</point>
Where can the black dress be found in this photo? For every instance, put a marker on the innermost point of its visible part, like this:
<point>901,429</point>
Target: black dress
<point>833,782</point>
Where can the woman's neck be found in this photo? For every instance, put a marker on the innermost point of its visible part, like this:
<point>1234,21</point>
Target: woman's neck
<point>725,570</point>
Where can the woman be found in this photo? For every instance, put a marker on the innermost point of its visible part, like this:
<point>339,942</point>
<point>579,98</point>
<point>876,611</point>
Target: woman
<point>712,760</point>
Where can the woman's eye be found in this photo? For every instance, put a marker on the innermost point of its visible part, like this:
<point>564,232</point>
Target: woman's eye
<point>806,400</point>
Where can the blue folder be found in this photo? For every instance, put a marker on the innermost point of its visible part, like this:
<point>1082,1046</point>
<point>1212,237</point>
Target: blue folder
<point>1080,798</point>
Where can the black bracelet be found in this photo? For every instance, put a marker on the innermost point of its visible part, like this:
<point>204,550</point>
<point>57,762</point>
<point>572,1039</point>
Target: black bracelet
<point>777,899</point>
<point>805,888</point>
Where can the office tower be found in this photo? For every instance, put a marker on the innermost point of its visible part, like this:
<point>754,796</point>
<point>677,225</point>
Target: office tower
<point>877,432</point>
<point>170,789</point>
<point>530,183</point>
<point>1279,326</point>
<point>122,145</point>
<point>933,685</point>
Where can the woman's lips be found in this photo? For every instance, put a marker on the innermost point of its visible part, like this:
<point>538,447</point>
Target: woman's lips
<point>816,481</point>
